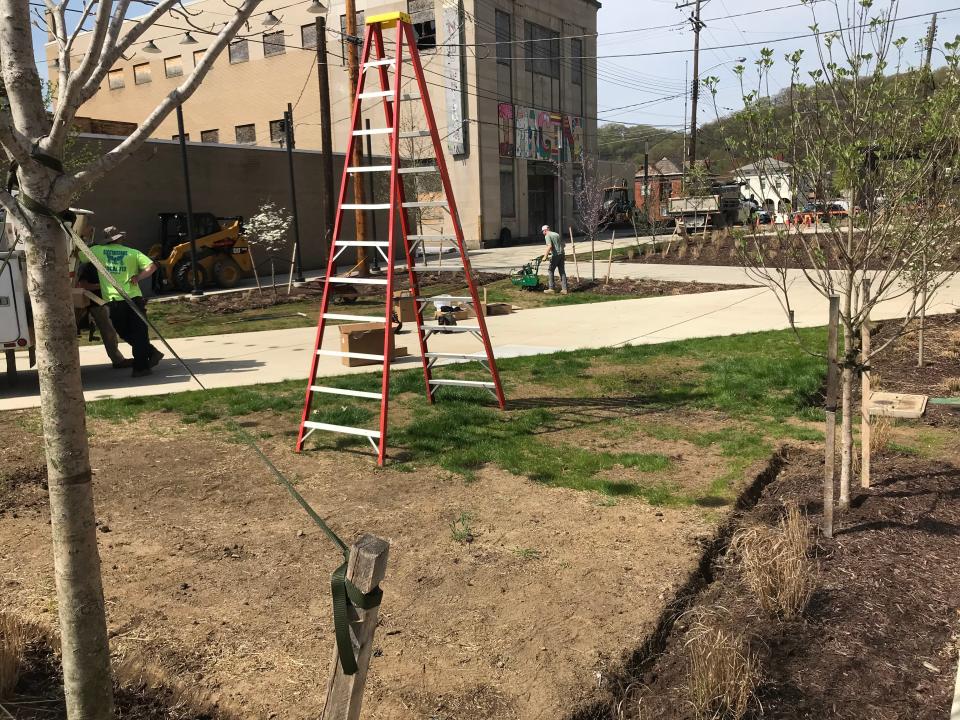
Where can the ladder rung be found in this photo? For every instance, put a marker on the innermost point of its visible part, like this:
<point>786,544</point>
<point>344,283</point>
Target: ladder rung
<point>464,383</point>
<point>341,429</point>
<point>445,298</point>
<point>452,328</point>
<point>376,94</point>
<point>454,356</point>
<point>363,243</point>
<point>357,280</point>
<point>417,169</point>
<point>366,206</point>
<point>421,238</point>
<point>427,204</point>
<point>344,354</point>
<point>352,318</point>
<point>415,133</point>
<point>369,168</point>
<point>379,63</point>
<point>342,391</point>
<point>373,131</point>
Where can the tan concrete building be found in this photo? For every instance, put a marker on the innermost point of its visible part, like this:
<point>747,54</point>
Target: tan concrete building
<point>510,88</point>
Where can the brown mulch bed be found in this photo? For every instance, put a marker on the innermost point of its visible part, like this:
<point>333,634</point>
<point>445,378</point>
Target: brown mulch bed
<point>877,640</point>
<point>644,287</point>
<point>896,368</point>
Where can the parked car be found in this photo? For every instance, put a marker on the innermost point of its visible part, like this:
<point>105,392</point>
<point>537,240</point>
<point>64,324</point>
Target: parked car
<point>819,212</point>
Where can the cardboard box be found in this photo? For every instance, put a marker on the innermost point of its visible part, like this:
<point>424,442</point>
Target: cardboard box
<point>405,306</point>
<point>489,309</point>
<point>365,338</point>
<point>458,315</point>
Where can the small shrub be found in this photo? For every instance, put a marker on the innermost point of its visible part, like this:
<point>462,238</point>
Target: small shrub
<point>15,635</point>
<point>953,384</point>
<point>881,431</point>
<point>723,673</point>
<point>460,529</point>
<point>775,563</point>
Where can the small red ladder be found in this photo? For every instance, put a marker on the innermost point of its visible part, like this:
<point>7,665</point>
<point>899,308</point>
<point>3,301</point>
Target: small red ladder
<point>392,98</point>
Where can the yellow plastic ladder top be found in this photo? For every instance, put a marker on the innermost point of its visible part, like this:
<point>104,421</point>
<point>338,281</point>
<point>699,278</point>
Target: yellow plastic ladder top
<point>388,20</point>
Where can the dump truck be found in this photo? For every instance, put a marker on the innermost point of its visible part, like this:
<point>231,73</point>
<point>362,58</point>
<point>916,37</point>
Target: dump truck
<point>223,255</point>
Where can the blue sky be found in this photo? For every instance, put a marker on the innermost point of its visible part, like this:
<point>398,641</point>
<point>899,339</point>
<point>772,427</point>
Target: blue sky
<point>626,80</point>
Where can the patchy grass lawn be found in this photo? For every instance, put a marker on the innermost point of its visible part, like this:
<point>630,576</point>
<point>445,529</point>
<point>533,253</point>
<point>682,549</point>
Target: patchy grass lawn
<point>745,392</point>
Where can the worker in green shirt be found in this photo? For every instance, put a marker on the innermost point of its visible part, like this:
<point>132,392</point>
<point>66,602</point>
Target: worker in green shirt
<point>129,267</point>
<point>554,253</point>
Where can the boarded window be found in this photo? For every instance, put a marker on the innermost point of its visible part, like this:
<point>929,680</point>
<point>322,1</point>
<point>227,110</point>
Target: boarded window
<point>141,74</point>
<point>278,132</point>
<point>343,36</point>
<point>308,36</point>
<point>115,79</point>
<point>504,36</point>
<point>239,51</point>
<point>210,136</point>
<point>186,137</point>
<point>576,61</point>
<point>542,50</point>
<point>246,134</point>
<point>198,56</point>
<point>173,66</point>
<point>273,43</point>
<point>508,206</point>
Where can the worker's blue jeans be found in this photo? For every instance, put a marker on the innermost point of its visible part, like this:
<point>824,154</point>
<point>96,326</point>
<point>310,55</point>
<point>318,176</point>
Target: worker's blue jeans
<point>557,264</point>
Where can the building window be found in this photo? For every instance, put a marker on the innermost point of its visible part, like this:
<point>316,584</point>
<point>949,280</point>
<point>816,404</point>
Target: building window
<point>246,134</point>
<point>141,74</point>
<point>173,66</point>
<point>576,61</point>
<point>115,79</point>
<point>278,132</point>
<point>423,19</point>
<point>198,56</point>
<point>273,43</point>
<point>504,35</point>
<point>210,136</point>
<point>508,206</point>
<point>343,34</point>
<point>308,36</point>
<point>186,137</point>
<point>542,50</point>
<point>239,52</point>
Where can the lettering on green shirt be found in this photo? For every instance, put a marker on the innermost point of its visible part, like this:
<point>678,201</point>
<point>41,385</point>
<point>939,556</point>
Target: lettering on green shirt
<point>123,263</point>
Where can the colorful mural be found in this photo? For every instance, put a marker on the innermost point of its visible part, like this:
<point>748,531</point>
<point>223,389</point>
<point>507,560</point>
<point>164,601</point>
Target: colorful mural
<point>534,134</point>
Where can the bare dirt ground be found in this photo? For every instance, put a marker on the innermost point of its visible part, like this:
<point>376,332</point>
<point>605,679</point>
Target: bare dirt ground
<point>214,576</point>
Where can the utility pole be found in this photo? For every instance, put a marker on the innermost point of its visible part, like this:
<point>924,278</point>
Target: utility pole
<point>376,255</point>
<point>931,36</point>
<point>695,86</point>
<point>646,182</point>
<point>359,196</point>
<point>686,97</point>
<point>288,132</point>
<point>326,134</point>
<point>191,235</point>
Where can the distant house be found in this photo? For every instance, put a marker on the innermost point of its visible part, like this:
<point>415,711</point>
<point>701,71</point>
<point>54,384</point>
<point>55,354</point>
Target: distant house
<point>770,182</point>
<point>666,180</point>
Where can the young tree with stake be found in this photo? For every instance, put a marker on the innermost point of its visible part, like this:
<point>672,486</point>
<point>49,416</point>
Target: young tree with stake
<point>34,137</point>
<point>861,122</point>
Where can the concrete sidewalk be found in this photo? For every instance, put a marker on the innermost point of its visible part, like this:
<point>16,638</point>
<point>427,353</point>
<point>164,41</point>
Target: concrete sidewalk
<point>275,355</point>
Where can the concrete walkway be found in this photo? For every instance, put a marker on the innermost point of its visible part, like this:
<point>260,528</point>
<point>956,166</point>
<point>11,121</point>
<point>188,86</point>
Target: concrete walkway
<point>274,355</point>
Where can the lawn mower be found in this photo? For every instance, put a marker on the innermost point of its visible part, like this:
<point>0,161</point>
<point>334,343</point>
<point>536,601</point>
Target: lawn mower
<point>527,277</point>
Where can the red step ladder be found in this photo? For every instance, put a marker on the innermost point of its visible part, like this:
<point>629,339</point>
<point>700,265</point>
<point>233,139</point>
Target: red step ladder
<point>392,99</point>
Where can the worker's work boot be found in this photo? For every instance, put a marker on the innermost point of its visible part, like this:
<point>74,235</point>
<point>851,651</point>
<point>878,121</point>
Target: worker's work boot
<point>564,292</point>
<point>548,291</point>
<point>155,357</point>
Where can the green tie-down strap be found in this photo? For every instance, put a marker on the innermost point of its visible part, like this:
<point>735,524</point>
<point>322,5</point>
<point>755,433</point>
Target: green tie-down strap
<point>346,593</point>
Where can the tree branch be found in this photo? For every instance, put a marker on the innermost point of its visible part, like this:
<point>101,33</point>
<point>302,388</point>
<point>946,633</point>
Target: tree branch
<point>67,186</point>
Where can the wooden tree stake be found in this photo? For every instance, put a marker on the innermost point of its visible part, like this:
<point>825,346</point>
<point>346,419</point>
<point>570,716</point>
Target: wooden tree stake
<point>576,264</point>
<point>830,403</point>
<point>613,241</point>
<point>368,565</point>
<point>866,430</point>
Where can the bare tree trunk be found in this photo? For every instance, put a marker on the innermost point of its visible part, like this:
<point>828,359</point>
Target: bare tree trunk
<point>83,628</point>
<point>923,322</point>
